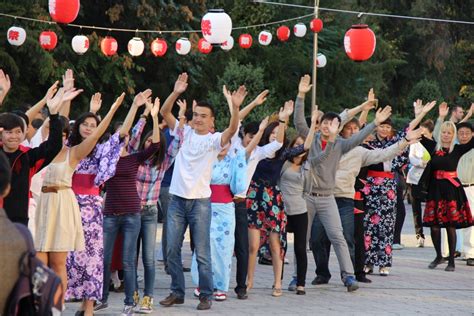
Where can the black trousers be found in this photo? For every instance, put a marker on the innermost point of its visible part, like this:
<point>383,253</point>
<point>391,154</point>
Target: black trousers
<point>401,212</point>
<point>359,247</point>
<point>298,224</point>
<point>416,199</point>
<point>241,247</point>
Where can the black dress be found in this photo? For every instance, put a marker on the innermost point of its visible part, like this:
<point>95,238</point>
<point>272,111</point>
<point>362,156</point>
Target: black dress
<point>447,204</point>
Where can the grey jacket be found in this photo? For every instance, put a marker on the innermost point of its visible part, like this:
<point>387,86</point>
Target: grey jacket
<point>321,177</point>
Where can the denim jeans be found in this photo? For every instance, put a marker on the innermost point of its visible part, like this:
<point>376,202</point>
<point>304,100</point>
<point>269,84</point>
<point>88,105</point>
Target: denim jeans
<point>164,205</point>
<point>321,243</point>
<point>197,214</point>
<point>149,224</point>
<point>129,225</point>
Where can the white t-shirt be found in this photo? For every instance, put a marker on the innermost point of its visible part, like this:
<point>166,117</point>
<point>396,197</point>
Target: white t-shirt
<point>193,164</point>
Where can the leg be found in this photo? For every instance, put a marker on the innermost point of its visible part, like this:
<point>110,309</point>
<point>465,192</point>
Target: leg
<point>149,220</point>
<point>451,243</point>
<point>241,247</point>
<point>359,250</point>
<point>254,244</point>
<point>57,262</point>
<point>43,256</point>
<point>320,246</point>
<point>346,212</point>
<point>111,228</point>
<point>401,212</point>
<point>300,224</point>
<point>131,225</point>
<point>277,261</point>
<point>311,215</point>
<point>417,213</point>
<point>164,203</point>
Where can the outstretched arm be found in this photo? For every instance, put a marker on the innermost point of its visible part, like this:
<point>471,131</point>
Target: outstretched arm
<point>138,101</point>
<point>180,86</point>
<point>420,112</point>
<point>364,107</point>
<point>236,98</point>
<point>256,138</point>
<point>35,109</point>
<point>469,114</point>
<point>299,119</point>
<point>312,129</point>
<point>259,100</point>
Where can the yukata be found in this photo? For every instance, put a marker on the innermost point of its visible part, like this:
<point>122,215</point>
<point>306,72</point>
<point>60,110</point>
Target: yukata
<point>85,269</point>
<point>229,177</point>
<point>380,196</point>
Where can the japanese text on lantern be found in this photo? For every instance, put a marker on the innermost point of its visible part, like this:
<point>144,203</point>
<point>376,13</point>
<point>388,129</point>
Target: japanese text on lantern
<point>86,43</point>
<point>52,7</point>
<point>245,41</point>
<point>347,44</point>
<point>159,47</point>
<point>178,46</point>
<point>13,35</point>
<point>263,37</point>
<point>206,27</point>
<point>45,40</point>
<point>114,46</point>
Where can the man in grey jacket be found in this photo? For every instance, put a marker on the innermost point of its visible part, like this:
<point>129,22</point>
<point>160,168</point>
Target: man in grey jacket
<point>320,180</point>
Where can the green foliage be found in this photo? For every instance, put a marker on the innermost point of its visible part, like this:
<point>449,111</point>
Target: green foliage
<point>426,90</point>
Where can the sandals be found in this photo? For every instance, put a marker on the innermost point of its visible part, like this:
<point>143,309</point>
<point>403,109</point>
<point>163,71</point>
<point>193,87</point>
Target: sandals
<point>277,292</point>
<point>300,290</point>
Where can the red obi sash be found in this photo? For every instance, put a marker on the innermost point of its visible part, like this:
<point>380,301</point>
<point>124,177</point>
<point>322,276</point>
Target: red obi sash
<point>221,193</point>
<point>380,174</point>
<point>447,175</point>
<point>84,184</point>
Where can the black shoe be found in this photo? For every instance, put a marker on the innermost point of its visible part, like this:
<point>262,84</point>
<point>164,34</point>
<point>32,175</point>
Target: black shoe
<point>457,254</point>
<point>264,261</point>
<point>435,262</point>
<point>204,304</point>
<point>363,279</point>
<point>171,300</point>
<point>186,269</point>
<point>98,306</point>
<point>241,294</point>
<point>450,267</point>
<point>320,280</point>
<point>300,290</point>
<point>79,313</point>
<point>470,262</point>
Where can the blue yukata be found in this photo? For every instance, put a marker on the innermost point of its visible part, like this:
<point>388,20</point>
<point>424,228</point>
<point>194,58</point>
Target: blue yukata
<point>229,173</point>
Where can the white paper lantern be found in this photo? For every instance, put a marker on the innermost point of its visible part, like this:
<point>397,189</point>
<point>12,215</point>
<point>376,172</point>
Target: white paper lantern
<point>216,26</point>
<point>228,44</point>
<point>80,44</point>
<point>299,29</point>
<point>136,46</point>
<point>183,46</point>
<point>265,38</point>
<point>16,35</point>
<point>321,61</point>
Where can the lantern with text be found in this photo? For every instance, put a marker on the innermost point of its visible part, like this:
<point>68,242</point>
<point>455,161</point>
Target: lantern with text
<point>228,44</point>
<point>204,46</point>
<point>183,46</point>
<point>283,33</point>
<point>245,41</point>
<point>321,60</point>
<point>109,46</point>
<point>359,42</point>
<point>316,25</point>
<point>216,26</point>
<point>64,11</point>
<point>48,40</point>
<point>16,35</point>
<point>80,44</point>
<point>136,46</point>
<point>159,47</point>
<point>299,30</point>
<point>265,38</point>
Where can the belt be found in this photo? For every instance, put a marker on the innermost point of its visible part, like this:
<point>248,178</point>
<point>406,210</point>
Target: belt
<point>221,193</point>
<point>53,189</point>
<point>319,194</point>
<point>447,175</point>
<point>239,199</point>
<point>380,174</point>
<point>468,185</point>
<point>84,184</point>
<point>358,196</point>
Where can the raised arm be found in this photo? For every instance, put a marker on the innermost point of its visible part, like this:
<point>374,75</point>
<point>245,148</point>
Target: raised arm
<point>137,130</point>
<point>259,100</point>
<point>180,86</point>
<point>138,101</point>
<point>5,85</point>
<point>420,112</point>
<point>299,120</point>
<point>143,155</point>
<point>468,114</point>
<point>81,151</point>
<point>312,129</point>
<point>443,111</point>
<point>95,103</point>
<point>364,107</point>
<point>35,109</point>
<point>256,138</point>
<point>237,100</point>
<point>68,84</point>
<point>333,131</point>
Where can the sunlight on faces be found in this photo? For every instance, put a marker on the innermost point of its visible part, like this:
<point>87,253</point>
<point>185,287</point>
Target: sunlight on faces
<point>203,120</point>
<point>349,129</point>
<point>447,134</point>
<point>464,135</point>
<point>384,130</point>
<point>11,139</point>
<point>87,127</point>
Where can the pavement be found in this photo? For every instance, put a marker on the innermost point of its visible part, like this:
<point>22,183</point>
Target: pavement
<point>411,288</point>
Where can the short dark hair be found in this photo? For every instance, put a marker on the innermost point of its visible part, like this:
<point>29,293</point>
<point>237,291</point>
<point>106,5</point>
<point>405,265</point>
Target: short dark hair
<point>189,115</point>
<point>205,104</point>
<point>22,115</point>
<point>428,124</point>
<point>465,125</point>
<point>36,123</point>
<point>10,121</point>
<point>251,128</point>
<point>455,107</point>
<point>5,173</point>
<point>330,116</point>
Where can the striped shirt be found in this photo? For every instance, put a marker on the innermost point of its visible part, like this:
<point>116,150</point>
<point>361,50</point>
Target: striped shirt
<point>122,196</point>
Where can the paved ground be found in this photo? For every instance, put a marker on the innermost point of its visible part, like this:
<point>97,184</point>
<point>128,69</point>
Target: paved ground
<point>411,288</point>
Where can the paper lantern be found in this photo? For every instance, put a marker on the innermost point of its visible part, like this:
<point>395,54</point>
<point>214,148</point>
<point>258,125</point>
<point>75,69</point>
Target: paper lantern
<point>136,46</point>
<point>48,40</point>
<point>245,41</point>
<point>299,30</point>
<point>80,44</point>
<point>204,46</point>
<point>265,38</point>
<point>228,44</point>
<point>283,33</point>
<point>109,46</point>
<point>316,25</point>
<point>64,11</point>
<point>159,47</point>
<point>359,42</point>
<point>216,26</point>
<point>16,35</point>
<point>321,60</point>
<point>183,46</point>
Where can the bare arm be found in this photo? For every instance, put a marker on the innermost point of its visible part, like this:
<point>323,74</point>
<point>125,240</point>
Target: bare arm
<point>260,99</point>
<point>237,98</point>
<point>35,109</point>
<point>256,138</point>
<point>154,114</point>
<point>312,129</point>
<point>138,101</point>
<point>180,86</point>
<point>468,114</point>
<point>420,112</point>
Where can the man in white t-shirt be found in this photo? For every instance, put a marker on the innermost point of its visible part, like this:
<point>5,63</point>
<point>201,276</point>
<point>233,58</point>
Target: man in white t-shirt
<point>190,191</point>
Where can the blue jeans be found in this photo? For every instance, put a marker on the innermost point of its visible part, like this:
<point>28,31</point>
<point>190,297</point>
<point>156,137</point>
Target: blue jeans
<point>197,214</point>
<point>164,201</point>
<point>322,245</point>
<point>129,225</point>
<point>149,220</point>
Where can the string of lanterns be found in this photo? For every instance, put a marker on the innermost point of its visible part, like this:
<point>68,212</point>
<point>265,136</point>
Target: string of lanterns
<point>216,29</point>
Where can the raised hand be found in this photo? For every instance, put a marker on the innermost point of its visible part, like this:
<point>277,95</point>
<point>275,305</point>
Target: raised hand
<point>156,109</point>
<point>51,91</point>
<point>315,116</point>
<point>418,107</point>
<point>305,84</point>
<point>371,101</point>
<point>69,95</point>
<point>68,80</point>
<point>263,124</point>
<point>334,127</point>
<point>182,107</point>
<point>413,136</point>
<point>55,102</point>
<point>148,106</point>
<point>238,96</point>
<point>141,98</point>
<point>117,102</point>
<point>443,110</point>
<point>286,111</point>
<point>96,103</point>
<point>194,104</point>
<point>226,92</point>
<point>5,85</point>
<point>428,107</point>
<point>261,98</point>
<point>383,114</point>
<point>181,83</point>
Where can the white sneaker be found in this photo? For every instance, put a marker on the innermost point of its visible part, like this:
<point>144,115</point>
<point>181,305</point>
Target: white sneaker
<point>197,292</point>
<point>398,246</point>
<point>127,310</point>
<point>146,305</point>
<point>384,271</point>
<point>420,242</point>
<point>220,296</point>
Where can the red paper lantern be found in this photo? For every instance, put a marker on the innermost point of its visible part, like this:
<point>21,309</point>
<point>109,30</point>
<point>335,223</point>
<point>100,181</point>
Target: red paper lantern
<point>316,25</point>
<point>359,42</point>
<point>48,40</point>
<point>159,47</point>
<point>245,41</point>
<point>283,33</point>
<point>204,46</point>
<point>109,46</point>
<point>64,11</point>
